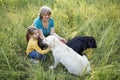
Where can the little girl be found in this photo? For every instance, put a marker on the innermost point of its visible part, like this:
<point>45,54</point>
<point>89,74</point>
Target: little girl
<point>33,50</point>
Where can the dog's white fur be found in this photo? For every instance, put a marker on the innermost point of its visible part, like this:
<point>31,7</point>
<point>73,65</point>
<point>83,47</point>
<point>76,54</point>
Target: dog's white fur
<point>75,63</point>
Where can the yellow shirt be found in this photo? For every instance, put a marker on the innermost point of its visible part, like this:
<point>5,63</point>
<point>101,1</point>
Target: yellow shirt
<point>33,45</point>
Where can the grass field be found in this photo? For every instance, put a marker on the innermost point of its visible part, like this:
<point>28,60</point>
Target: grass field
<point>97,18</point>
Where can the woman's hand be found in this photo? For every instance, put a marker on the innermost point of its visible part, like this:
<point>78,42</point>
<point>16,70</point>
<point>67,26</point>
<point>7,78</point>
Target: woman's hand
<point>63,40</point>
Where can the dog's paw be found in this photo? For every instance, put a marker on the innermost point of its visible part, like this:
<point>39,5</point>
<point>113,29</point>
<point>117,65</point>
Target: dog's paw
<point>51,67</point>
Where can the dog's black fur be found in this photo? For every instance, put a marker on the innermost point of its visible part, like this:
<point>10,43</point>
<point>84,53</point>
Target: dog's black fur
<point>41,45</point>
<point>81,43</point>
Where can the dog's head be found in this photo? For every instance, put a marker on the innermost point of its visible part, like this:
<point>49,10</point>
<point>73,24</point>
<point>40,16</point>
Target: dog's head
<point>50,40</point>
<point>91,42</point>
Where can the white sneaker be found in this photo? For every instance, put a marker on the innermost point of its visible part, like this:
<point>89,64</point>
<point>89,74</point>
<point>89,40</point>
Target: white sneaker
<point>35,61</point>
<point>51,67</point>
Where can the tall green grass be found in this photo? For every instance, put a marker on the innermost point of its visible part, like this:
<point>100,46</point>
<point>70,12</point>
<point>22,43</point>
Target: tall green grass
<point>97,18</point>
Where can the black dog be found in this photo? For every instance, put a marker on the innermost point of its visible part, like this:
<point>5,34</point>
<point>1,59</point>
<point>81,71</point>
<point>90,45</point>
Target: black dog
<point>81,43</point>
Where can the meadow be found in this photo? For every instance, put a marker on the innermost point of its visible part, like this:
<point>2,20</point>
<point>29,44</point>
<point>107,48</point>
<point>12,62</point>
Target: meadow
<point>97,18</point>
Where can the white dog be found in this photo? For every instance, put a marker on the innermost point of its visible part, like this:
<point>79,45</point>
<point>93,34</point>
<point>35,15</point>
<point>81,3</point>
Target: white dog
<point>75,63</point>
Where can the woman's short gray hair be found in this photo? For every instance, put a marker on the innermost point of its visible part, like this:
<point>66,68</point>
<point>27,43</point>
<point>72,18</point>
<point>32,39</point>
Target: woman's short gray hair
<point>44,10</point>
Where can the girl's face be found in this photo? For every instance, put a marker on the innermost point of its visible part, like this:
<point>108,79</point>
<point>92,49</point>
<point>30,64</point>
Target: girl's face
<point>45,17</point>
<point>36,34</point>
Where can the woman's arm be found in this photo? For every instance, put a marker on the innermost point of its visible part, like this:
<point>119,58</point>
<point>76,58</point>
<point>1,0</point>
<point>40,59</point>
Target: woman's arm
<point>53,33</point>
<point>60,38</point>
<point>41,34</point>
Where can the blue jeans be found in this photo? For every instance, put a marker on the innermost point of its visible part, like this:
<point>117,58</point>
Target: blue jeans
<point>35,55</point>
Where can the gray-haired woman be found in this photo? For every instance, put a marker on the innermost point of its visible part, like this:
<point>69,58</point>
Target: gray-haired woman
<point>45,23</point>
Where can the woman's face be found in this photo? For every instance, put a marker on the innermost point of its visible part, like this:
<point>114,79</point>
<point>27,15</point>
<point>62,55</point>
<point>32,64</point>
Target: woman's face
<point>45,17</point>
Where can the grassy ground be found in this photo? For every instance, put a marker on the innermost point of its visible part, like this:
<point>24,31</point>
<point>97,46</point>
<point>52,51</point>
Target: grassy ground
<point>97,18</point>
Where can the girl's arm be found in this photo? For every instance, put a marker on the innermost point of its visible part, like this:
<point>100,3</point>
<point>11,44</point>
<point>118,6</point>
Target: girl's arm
<point>32,45</point>
<point>39,50</point>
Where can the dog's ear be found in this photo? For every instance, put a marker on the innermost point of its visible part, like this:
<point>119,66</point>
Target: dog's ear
<point>54,41</point>
<point>50,41</point>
